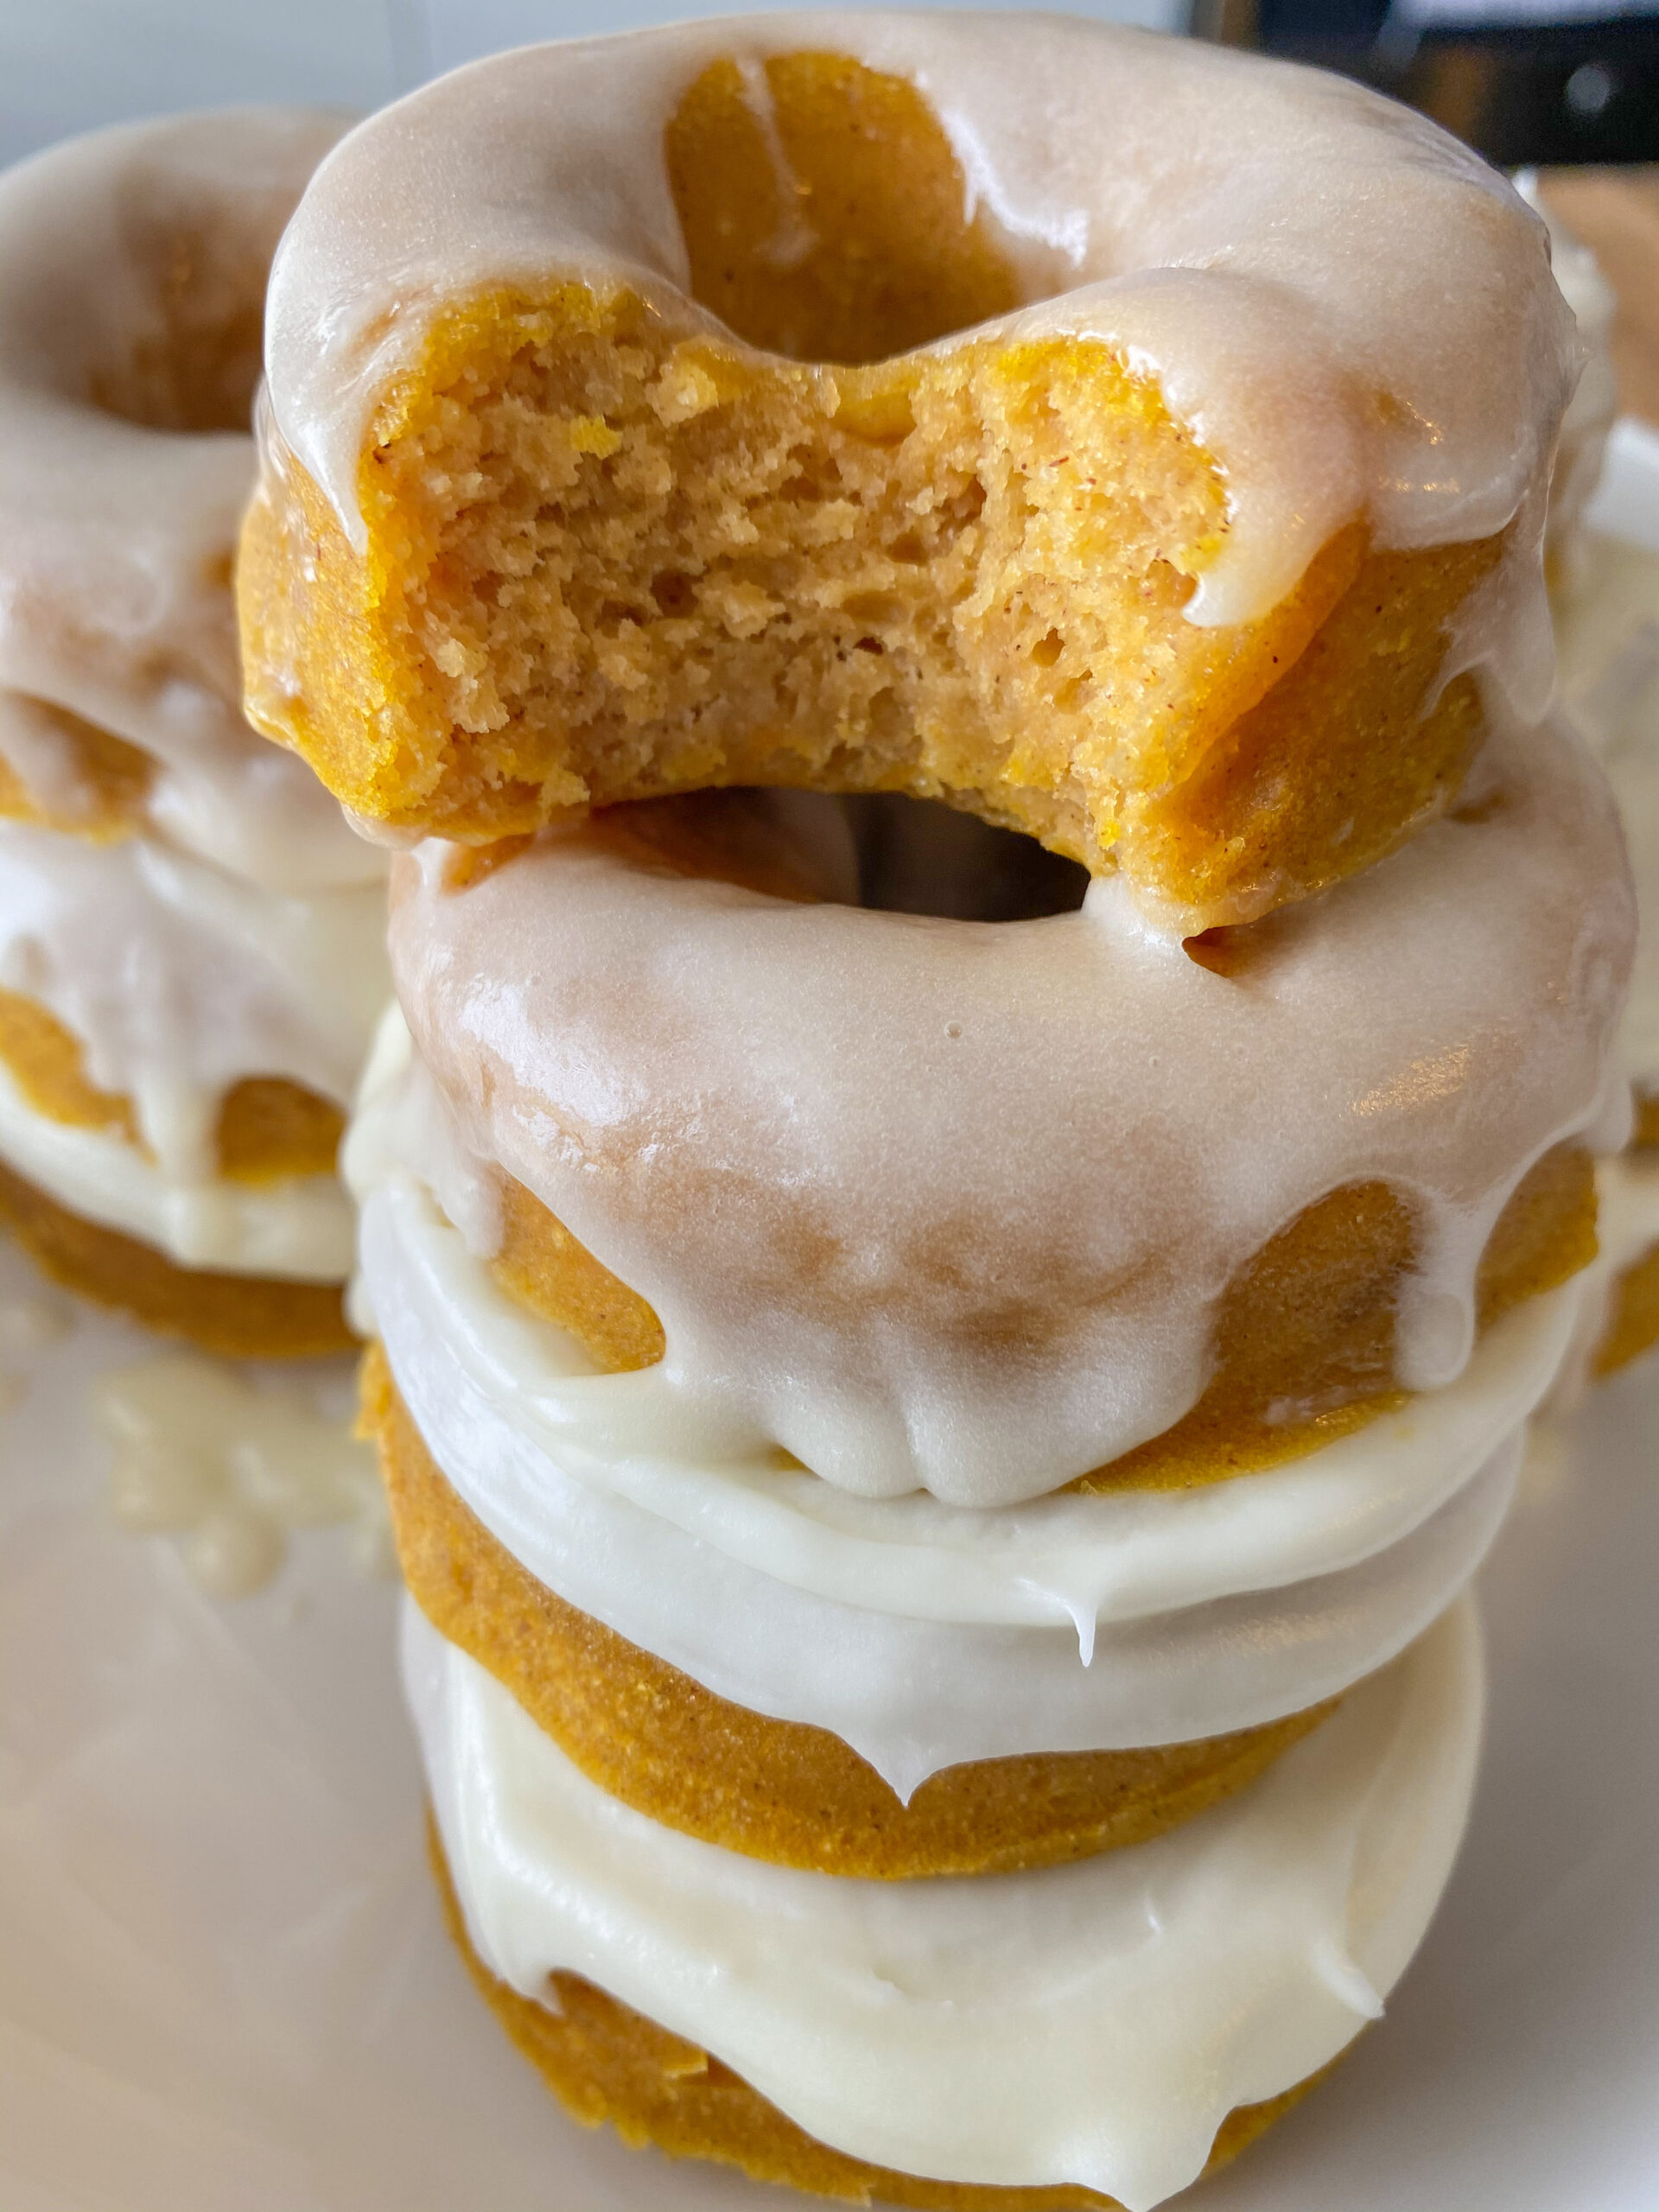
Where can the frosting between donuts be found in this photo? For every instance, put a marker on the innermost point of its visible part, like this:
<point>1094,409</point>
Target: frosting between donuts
<point>178,979</point>
<point>1239,230</point>
<point>298,1228</point>
<point>910,1688</point>
<point>119,511</point>
<point>699,1083</point>
<point>1088,2024</point>
<point>455,1342</point>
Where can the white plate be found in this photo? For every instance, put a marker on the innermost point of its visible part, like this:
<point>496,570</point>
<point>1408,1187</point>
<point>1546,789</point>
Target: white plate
<point>224,1986</point>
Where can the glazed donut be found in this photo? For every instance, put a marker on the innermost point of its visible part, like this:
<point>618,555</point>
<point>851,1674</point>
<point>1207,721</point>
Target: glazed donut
<point>613,1028</point>
<point>132,272</point>
<point>191,939</point>
<point>838,400</point>
<point>1148,1213</point>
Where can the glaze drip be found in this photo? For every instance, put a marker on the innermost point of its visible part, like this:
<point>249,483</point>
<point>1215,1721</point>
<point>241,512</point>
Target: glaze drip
<point>1240,230</point>
<point>131,271</point>
<point>950,1205</point>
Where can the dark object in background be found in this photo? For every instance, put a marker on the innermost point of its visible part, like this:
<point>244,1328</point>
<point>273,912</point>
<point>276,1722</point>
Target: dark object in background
<point>1520,80</point>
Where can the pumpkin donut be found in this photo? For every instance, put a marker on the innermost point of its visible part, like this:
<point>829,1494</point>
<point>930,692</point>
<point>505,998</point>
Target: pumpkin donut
<point>1094,2035</point>
<point>190,936</point>
<point>601,1016</point>
<point>902,403</point>
<point>987,1210</point>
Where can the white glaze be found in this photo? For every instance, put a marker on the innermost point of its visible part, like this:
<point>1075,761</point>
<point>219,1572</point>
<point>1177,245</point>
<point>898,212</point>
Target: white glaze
<point>1590,414</point>
<point>912,1695</point>
<point>515,1415</point>
<point>1067,1121</point>
<point>178,980</point>
<point>924,1635</point>
<point>1275,245</point>
<point>296,1228</point>
<point>1090,2024</point>
<point>116,540</point>
<point>198,1453</point>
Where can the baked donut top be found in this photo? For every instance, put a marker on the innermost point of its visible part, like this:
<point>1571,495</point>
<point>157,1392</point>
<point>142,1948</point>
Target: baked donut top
<point>952,1205</point>
<point>132,272</point>
<point>1352,313</point>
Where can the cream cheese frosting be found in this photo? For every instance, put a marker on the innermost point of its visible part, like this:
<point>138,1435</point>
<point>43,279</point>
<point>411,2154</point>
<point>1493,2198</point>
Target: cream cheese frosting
<point>478,1369</point>
<point>1025,1159</point>
<point>298,1227</point>
<point>178,979</point>
<point>118,515</point>
<point>924,1635</point>
<point>1091,2024</point>
<point>1236,228</point>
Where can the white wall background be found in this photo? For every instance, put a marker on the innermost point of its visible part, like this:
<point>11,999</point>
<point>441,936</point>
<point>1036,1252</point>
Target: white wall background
<point>71,64</point>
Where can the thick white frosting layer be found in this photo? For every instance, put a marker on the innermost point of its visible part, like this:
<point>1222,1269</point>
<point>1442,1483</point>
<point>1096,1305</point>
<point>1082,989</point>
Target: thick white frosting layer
<point>178,980</point>
<point>297,1228</point>
<point>1091,2024</point>
<point>1245,231</point>
<point>952,1205</point>
<point>924,1635</point>
<point>116,540</point>
<point>481,1369</point>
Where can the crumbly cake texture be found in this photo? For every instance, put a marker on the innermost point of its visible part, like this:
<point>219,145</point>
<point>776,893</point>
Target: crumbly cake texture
<point>1310,1321</point>
<point>268,1128</point>
<point>779,1790</point>
<point>614,552</point>
<point>239,1317</point>
<point>606,2063</point>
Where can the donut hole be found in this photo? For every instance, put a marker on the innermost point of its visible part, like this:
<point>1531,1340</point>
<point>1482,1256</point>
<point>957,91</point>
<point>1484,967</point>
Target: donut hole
<point>876,849</point>
<point>825,215</point>
<point>915,856</point>
<point>188,357</point>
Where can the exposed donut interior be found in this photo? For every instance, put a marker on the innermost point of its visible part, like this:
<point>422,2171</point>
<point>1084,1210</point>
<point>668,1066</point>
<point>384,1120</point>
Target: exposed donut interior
<point>615,554</point>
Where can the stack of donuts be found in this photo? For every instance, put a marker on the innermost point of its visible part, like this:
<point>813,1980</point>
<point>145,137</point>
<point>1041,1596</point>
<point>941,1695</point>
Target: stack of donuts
<point>1005,994</point>
<point>191,939</point>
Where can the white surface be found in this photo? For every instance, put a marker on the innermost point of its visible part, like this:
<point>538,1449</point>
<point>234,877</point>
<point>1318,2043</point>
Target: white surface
<point>227,1990</point>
